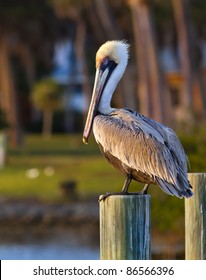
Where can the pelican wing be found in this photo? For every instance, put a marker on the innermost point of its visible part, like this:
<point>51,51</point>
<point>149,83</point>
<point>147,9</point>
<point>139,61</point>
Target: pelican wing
<point>170,140</point>
<point>142,145</point>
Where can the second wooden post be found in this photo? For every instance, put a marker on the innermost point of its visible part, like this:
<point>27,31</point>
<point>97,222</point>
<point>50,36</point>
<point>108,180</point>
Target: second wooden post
<point>195,219</point>
<point>125,227</point>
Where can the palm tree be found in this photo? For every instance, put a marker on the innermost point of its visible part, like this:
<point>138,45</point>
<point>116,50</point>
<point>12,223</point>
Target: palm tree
<point>46,96</point>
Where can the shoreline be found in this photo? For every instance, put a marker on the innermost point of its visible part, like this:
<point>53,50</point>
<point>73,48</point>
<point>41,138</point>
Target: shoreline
<point>34,212</point>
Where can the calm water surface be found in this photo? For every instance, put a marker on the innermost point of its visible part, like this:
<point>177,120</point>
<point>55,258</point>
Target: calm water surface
<point>50,244</point>
<point>46,252</point>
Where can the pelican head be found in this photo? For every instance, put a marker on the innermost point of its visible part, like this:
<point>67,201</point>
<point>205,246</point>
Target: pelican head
<point>111,61</point>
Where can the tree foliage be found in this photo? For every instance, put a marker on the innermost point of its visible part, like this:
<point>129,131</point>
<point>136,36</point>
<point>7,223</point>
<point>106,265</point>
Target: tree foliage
<point>46,96</point>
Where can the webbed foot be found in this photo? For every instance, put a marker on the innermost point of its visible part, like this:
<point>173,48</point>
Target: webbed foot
<point>104,196</point>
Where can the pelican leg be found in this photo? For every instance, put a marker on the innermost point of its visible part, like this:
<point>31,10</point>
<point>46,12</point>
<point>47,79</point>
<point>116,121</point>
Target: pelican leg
<point>124,189</point>
<point>145,189</point>
<point>127,183</point>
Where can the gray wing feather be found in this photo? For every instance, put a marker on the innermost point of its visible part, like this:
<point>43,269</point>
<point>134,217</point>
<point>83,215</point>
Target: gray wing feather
<point>171,140</point>
<point>138,143</point>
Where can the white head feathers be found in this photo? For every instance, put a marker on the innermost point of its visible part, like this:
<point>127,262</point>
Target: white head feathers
<point>114,50</point>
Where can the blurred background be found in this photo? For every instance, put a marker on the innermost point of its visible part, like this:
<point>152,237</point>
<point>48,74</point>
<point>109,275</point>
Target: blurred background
<point>50,181</point>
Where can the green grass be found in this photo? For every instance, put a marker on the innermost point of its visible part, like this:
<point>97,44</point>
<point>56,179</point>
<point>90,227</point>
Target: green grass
<point>60,152</point>
<point>71,161</point>
<point>74,161</point>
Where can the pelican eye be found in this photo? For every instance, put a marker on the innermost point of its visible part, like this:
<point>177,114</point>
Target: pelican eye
<point>107,63</point>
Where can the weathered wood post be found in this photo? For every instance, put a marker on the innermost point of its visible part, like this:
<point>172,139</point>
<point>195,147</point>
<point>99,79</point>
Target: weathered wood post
<point>195,219</point>
<point>125,227</point>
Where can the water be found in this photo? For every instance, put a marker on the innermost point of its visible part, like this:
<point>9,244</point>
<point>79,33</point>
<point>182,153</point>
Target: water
<point>46,252</point>
<point>63,244</point>
<point>75,243</point>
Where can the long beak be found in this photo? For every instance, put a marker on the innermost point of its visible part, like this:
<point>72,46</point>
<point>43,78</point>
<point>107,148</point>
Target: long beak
<point>100,79</point>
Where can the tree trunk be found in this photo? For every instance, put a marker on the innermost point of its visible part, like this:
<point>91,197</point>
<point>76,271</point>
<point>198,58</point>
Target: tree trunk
<point>192,97</point>
<point>143,85</point>
<point>105,19</point>
<point>153,91</point>
<point>9,101</point>
<point>27,60</point>
<point>127,93</point>
<point>47,124</point>
<point>81,58</point>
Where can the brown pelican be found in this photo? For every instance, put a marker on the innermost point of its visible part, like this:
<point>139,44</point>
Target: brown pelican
<point>141,148</point>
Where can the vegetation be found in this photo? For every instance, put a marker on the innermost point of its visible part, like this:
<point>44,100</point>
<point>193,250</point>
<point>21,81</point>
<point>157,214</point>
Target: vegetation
<point>71,160</point>
<point>3,121</point>
<point>30,29</point>
<point>31,24</point>
<point>46,96</point>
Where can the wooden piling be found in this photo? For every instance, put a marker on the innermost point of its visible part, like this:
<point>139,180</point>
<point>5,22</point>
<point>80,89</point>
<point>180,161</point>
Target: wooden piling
<point>195,219</point>
<point>125,227</point>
